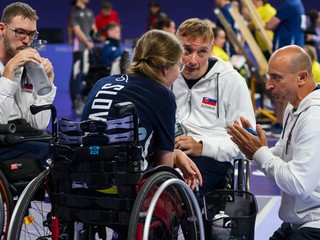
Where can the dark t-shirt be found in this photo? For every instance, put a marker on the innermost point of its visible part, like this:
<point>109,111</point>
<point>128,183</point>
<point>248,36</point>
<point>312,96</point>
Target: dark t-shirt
<point>85,19</point>
<point>155,103</point>
<point>289,31</point>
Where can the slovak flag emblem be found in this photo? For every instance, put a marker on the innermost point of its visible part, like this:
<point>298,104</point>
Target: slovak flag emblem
<point>209,101</point>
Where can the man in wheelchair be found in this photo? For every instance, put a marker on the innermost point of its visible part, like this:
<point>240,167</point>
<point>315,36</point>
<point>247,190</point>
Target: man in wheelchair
<point>18,30</point>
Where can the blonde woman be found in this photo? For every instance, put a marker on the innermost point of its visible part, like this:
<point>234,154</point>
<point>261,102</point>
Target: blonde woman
<point>155,66</point>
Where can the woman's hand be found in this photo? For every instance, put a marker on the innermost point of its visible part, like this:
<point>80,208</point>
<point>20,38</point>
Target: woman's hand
<point>190,171</point>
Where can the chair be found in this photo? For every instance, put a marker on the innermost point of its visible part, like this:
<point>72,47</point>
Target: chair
<point>15,174</point>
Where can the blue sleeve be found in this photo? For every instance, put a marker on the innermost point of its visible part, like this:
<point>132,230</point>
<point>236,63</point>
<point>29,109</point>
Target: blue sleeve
<point>164,129</point>
<point>284,12</point>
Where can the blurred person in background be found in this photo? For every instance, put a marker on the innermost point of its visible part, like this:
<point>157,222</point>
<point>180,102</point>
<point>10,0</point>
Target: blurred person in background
<point>266,12</point>
<point>218,43</point>
<point>166,24</point>
<point>106,15</point>
<point>155,14</point>
<point>315,64</point>
<point>288,26</point>
<point>82,24</point>
<point>312,34</point>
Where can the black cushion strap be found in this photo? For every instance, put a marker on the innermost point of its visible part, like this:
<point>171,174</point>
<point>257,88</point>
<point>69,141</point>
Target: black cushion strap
<point>93,202</point>
<point>97,217</point>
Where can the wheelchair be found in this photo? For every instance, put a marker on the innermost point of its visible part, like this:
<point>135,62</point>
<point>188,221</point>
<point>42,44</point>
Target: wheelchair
<point>15,175</point>
<point>95,179</point>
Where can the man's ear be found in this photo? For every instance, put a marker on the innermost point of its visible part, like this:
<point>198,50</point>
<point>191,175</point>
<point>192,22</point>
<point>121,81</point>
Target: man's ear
<point>303,76</point>
<point>2,27</point>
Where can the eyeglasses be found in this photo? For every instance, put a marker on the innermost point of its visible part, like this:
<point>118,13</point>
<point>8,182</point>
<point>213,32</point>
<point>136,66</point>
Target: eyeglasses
<point>182,66</point>
<point>22,34</point>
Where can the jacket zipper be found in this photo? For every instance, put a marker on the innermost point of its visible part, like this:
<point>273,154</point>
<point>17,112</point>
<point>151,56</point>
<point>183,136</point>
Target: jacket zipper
<point>189,102</point>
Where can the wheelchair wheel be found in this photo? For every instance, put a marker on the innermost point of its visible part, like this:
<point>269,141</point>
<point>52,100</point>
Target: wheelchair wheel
<point>6,206</point>
<point>31,215</point>
<point>173,215</point>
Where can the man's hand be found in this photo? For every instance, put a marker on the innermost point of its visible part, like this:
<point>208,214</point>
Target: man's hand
<point>191,173</point>
<point>188,145</point>
<point>23,56</point>
<point>247,143</point>
<point>48,68</point>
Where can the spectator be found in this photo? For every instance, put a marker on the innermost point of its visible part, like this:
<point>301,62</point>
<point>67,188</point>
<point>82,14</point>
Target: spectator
<point>219,41</point>
<point>315,64</point>
<point>18,29</point>
<point>166,24</point>
<point>106,15</point>
<point>225,6</point>
<point>107,59</point>
<point>266,12</point>
<point>312,34</point>
<point>82,23</point>
<point>293,163</point>
<point>237,61</point>
<point>69,29</point>
<point>311,28</point>
<point>288,25</point>
<point>210,93</point>
<point>155,14</point>
<point>112,47</point>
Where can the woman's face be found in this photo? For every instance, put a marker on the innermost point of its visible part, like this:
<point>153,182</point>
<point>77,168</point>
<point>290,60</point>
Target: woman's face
<point>172,73</point>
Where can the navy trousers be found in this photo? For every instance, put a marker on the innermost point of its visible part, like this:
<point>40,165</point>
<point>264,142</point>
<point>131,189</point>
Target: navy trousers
<point>215,174</point>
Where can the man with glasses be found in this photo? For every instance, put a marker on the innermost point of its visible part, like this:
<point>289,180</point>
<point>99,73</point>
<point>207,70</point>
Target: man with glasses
<point>18,29</point>
<point>210,94</point>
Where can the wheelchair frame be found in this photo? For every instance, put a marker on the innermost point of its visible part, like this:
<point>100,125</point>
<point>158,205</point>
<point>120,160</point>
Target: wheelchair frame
<point>176,191</point>
<point>159,180</point>
<point>9,191</point>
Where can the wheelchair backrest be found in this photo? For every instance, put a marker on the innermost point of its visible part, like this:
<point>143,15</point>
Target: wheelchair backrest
<point>96,160</point>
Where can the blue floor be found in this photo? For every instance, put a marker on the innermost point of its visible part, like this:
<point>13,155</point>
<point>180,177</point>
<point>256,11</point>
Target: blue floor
<point>266,192</point>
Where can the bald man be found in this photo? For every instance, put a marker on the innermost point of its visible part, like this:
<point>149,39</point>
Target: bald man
<point>294,162</point>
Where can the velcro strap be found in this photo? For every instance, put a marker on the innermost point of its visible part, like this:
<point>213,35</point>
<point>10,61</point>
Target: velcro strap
<point>110,138</point>
<point>98,217</point>
<point>100,179</point>
<point>93,202</point>
<point>95,126</point>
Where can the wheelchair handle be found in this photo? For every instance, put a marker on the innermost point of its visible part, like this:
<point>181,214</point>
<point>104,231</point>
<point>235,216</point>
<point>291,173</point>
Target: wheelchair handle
<point>36,109</point>
<point>124,108</point>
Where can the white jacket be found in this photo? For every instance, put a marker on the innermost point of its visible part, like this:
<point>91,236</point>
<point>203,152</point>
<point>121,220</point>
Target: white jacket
<point>223,87</point>
<point>15,101</point>
<point>294,163</point>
